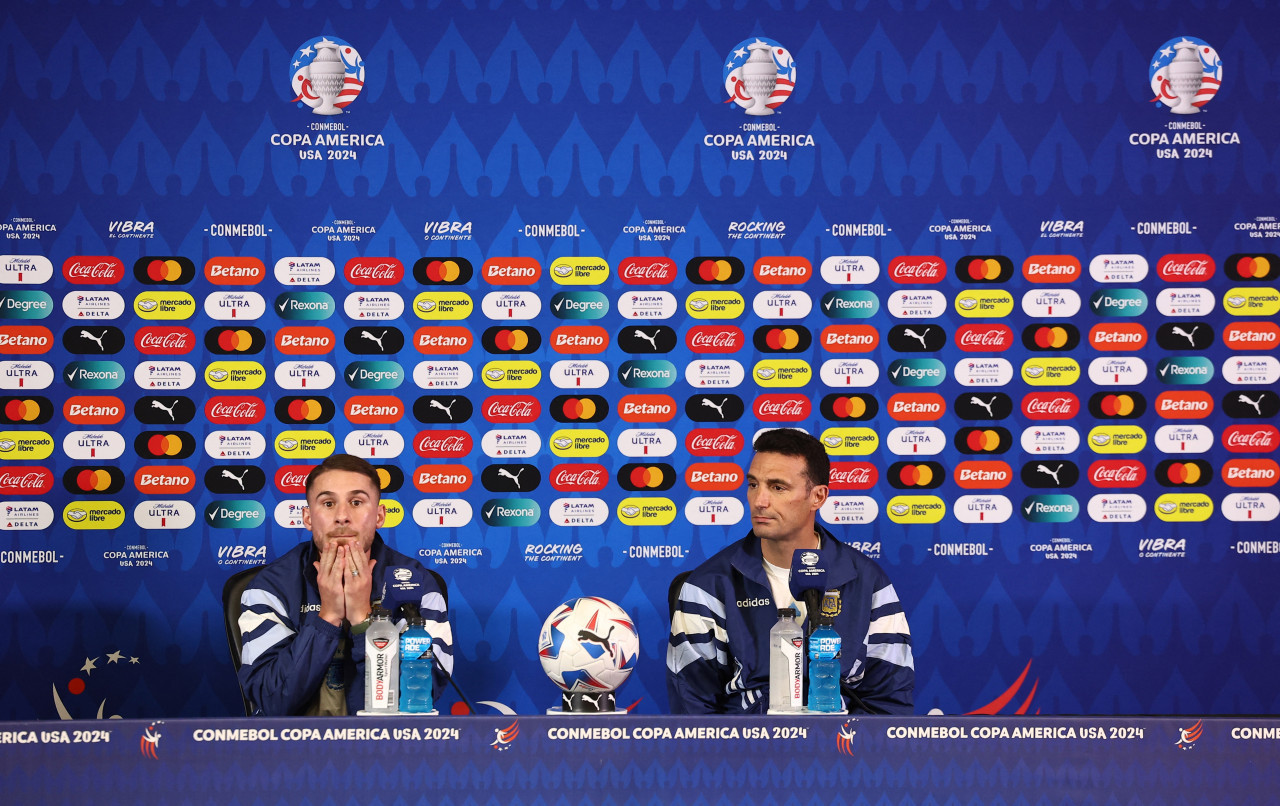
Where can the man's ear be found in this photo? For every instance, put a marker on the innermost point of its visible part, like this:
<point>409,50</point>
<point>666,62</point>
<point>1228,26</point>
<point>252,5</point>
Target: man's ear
<point>818,496</point>
<point>306,517</point>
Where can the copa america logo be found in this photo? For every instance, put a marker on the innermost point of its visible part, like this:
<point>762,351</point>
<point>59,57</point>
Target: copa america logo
<point>759,76</point>
<point>326,75</point>
<point>1185,74</point>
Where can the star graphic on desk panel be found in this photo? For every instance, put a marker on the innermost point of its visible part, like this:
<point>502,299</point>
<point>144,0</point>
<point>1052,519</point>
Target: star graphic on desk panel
<point>115,657</point>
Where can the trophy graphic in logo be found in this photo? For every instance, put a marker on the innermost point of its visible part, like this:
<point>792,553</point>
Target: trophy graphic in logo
<point>326,75</point>
<point>759,76</point>
<point>1185,74</point>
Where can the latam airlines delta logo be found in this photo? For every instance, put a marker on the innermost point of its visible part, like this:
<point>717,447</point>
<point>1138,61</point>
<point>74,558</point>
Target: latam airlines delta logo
<point>326,75</point>
<point>759,76</point>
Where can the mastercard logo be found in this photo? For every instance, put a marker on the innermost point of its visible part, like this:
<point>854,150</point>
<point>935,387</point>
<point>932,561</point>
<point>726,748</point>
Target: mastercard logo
<point>981,270</point>
<point>511,340</point>
<point>782,338</point>
<point>714,270</point>
<point>1051,338</point>
<point>926,475</point>
<point>163,271</point>
<point>983,440</point>
<point>235,341</point>
<point>442,271</point>
<point>1184,474</point>
<point>646,477</point>
<point>306,410</point>
<point>26,410</point>
<point>1252,267</point>
<point>579,408</point>
<point>165,445</point>
<point>94,480</point>
<point>850,407</point>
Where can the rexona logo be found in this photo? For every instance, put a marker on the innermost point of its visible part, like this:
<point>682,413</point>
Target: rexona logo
<point>374,271</point>
<point>442,478</point>
<point>1050,508</point>
<point>984,304</point>
<point>93,515</point>
<point>646,511</point>
<point>93,375</point>
<point>1119,302</point>
<point>579,305</point>
<point>647,271</point>
<point>917,269</point>
<point>579,271</point>
<point>236,271</point>
<point>1256,268</point>
<point>586,443</point>
<point>1184,369</point>
<point>304,305</point>
<point>303,445</point>
<point>1183,507</point>
<point>916,509</point>
<point>1185,268</point>
<point>647,374</point>
<point>511,512</point>
<point>235,514</point>
<point>984,269</point>
<point>511,271</point>
<point>164,305</point>
<point>427,271</point>
<point>783,270</point>
<point>93,270</point>
<point>1051,269</point>
<point>164,480</point>
<point>164,270</point>
<point>451,305</point>
<point>849,304</point>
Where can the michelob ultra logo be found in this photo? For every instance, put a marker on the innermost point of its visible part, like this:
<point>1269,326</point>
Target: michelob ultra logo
<point>638,442</point>
<point>305,375</point>
<point>579,271</point>
<point>579,374</point>
<point>238,306</point>
<point>1051,302</point>
<point>235,514</point>
<point>1051,268</point>
<point>1183,507</point>
<point>851,303</point>
<point>427,271</point>
<point>1239,507</point>
<point>235,375</point>
<point>1050,371</point>
<point>646,511</point>
<point>917,372</point>
<point>781,373</point>
<point>713,511</point>
<point>1185,302</point>
<point>1050,508</point>
<point>1251,301</point>
<point>377,270</point>
<point>93,515</point>
<point>24,304</point>
<point>174,515</point>
<point>587,442</point>
<point>1115,302</point>
<point>916,509</point>
<point>374,444</point>
<point>25,374</point>
<point>164,270</point>
<point>34,445</point>
<point>850,270</point>
<point>850,441</point>
<point>164,305</point>
<point>579,305</point>
<point>916,441</point>
<point>88,270</point>
<point>511,305</point>
<point>715,305</point>
<point>511,374</point>
<point>442,305</point>
<point>304,305</point>
<point>1117,439</point>
<point>781,305</point>
<point>294,445</point>
<point>647,374</point>
<point>510,512</point>
<point>237,271</point>
<point>984,303</point>
<point>1119,370</point>
<point>373,375</point>
<point>82,375</point>
<point>849,372</point>
<point>1183,438</point>
<point>983,509</point>
<point>1184,370</point>
<point>783,270</point>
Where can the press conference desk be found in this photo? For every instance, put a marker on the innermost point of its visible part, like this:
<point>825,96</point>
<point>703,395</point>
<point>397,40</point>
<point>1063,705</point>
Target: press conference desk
<point>644,760</point>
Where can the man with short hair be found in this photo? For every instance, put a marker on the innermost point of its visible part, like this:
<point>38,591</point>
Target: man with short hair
<point>304,616</point>
<point>718,652</point>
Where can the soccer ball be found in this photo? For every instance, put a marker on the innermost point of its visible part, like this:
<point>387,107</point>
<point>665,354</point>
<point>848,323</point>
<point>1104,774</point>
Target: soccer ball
<point>588,645</point>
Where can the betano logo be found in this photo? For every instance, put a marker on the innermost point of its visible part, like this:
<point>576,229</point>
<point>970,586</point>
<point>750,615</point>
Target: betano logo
<point>292,340</point>
<point>1051,268</point>
<point>573,340</point>
<point>25,340</point>
<point>511,271</point>
<point>237,271</point>
<point>442,478</point>
<point>164,480</point>
<point>783,270</point>
<point>78,410</point>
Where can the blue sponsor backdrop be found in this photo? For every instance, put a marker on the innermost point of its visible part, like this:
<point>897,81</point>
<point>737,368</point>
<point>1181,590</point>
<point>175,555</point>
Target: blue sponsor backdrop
<point>1037,134</point>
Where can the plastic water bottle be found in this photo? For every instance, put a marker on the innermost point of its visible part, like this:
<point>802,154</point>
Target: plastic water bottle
<point>381,663</point>
<point>416,663</point>
<point>824,659</point>
<point>786,664</point>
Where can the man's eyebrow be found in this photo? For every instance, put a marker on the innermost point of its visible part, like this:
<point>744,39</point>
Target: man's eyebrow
<point>784,482</point>
<point>363,492</point>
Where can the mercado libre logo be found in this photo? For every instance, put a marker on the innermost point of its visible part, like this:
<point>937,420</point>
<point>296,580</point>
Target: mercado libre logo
<point>1185,74</point>
<point>759,76</point>
<point>326,75</point>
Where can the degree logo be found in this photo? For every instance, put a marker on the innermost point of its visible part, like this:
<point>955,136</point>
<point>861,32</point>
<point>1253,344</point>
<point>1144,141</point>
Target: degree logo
<point>1255,268</point>
<point>759,76</point>
<point>326,75</point>
<point>237,271</point>
<point>373,375</point>
<point>439,271</point>
<point>984,269</point>
<point>235,514</point>
<point>579,305</point>
<point>164,270</point>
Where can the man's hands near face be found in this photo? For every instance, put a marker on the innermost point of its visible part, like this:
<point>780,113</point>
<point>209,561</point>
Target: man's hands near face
<point>345,579</point>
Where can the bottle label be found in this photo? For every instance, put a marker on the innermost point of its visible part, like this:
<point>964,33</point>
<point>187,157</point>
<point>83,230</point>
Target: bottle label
<point>824,647</point>
<point>415,647</point>
<point>792,651</point>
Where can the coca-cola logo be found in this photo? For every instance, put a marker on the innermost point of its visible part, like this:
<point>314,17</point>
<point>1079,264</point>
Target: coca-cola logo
<point>98,270</point>
<point>441,444</point>
<point>292,479</point>
<point>715,339</point>
<point>164,340</point>
<point>853,476</point>
<point>235,410</point>
<point>714,442</point>
<point>1122,473</point>
<point>374,271</point>
<point>1050,406</point>
<point>1185,268</point>
<point>984,338</point>
<point>782,407</point>
<point>1251,438</point>
<point>917,269</point>
<point>25,480</point>
<point>579,478</point>
<point>647,271</point>
<point>511,409</point>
